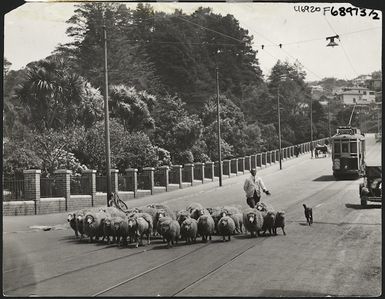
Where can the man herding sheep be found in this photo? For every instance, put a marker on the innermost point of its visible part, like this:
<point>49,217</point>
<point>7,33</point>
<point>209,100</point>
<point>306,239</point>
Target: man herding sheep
<point>252,187</point>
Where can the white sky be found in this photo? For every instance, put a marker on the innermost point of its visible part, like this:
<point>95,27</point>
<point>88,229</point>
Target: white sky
<point>32,31</point>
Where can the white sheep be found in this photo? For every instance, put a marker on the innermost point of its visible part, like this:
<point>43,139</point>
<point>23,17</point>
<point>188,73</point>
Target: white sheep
<point>279,222</point>
<point>206,227</point>
<point>216,214</point>
<point>189,230</point>
<point>236,215</point>
<point>113,211</point>
<point>253,221</point>
<point>170,230</point>
<point>226,227</point>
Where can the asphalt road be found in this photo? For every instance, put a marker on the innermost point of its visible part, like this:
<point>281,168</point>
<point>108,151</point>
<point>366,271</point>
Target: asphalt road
<point>339,255</point>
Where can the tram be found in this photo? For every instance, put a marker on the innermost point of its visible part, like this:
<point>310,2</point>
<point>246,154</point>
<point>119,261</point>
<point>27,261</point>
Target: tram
<point>348,152</point>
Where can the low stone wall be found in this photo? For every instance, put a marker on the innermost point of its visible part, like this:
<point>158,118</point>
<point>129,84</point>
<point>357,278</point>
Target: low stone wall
<point>51,205</point>
<point>77,202</point>
<point>16,208</point>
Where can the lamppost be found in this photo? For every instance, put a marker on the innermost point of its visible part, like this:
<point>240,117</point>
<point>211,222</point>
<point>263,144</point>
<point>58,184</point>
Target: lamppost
<point>106,117</point>
<point>329,120</point>
<point>219,130</point>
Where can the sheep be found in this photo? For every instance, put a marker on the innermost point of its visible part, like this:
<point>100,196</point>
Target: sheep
<point>137,227</point>
<point>196,213</point>
<point>206,227</point>
<point>93,224</point>
<point>166,208</point>
<point>253,220</point>
<point>216,214</point>
<point>236,215</point>
<point>159,225</point>
<point>113,211</point>
<point>182,215</point>
<point>72,221</point>
<point>264,207</point>
<point>194,206</point>
<point>109,228</point>
<point>117,229</point>
<point>268,222</point>
<point>226,227</point>
<point>279,222</point>
<point>189,229</point>
<point>170,230</point>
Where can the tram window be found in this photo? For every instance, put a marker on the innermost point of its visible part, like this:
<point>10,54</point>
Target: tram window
<point>345,147</point>
<point>353,147</point>
<point>337,147</point>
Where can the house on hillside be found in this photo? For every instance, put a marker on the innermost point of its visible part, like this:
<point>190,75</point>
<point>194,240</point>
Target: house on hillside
<point>357,95</point>
<point>361,80</point>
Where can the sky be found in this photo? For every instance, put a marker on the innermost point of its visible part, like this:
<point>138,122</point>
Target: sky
<point>32,31</point>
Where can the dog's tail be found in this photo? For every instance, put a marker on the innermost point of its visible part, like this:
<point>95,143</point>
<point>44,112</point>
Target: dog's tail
<point>304,206</point>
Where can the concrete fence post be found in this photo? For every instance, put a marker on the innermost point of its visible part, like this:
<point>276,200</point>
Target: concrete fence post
<point>63,184</point>
<point>149,171</point>
<point>90,181</point>
<point>132,178</point>
<point>165,180</point>
<point>189,173</point>
<point>32,186</point>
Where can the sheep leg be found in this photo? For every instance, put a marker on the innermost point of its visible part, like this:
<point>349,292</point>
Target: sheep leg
<point>148,238</point>
<point>283,229</point>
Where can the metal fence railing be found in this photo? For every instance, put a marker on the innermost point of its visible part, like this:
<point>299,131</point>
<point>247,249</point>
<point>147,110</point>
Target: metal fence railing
<point>173,176</point>
<point>79,185</point>
<point>48,188</point>
<point>13,190</point>
<point>159,177</point>
<point>101,183</point>
<point>186,174</point>
<point>197,173</point>
<point>125,183</point>
<point>144,181</point>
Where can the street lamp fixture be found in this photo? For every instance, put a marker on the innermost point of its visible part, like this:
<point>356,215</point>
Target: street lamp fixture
<point>283,77</point>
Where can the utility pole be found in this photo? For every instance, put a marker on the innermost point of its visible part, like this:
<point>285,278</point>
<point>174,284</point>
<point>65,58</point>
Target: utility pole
<point>219,132</point>
<point>311,127</point>
<point>279,130</point>
<point>106,117</point>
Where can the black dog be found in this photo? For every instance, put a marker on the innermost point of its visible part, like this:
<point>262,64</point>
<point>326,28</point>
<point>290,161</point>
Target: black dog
<point>308,214</point>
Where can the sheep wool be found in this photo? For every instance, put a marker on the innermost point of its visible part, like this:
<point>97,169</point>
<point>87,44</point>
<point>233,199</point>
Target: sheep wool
<point>182,215</point>
<point>137,227</point>
<point>226,227</point>
<point>189,230</point>
<point>170,231</point>
<point>159,223</point>
<point>253,221</point>
<point>113,211</point>
<point>146,217</point>
<point>167,209</point>
<point>268,222</point>
<point>206,227</point>
<point>279,222</point>
<point>194,206</point>
<point>236,215</point>
<point>93,224</point>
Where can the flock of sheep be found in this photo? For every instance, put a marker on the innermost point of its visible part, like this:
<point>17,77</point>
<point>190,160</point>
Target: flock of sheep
<point>113,225</point>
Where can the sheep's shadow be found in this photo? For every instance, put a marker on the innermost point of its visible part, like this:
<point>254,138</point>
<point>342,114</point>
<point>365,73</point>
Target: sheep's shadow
<point>360,207</point>
<point>304,224</point>
<point>324,178</point>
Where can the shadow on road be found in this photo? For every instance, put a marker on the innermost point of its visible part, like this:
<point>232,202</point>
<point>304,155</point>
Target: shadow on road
<point>324,178</point>
<point>360,207</point>
<point>291,293</point>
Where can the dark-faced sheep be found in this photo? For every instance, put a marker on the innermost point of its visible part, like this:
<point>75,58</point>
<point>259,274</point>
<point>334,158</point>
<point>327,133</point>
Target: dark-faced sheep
<point>194,206</point>
<point>196,213</point>
<point>72,221</point>
<point>159,225</point>
<point>226,227</point>
<point>182,215</point>
<point>170,230</point>
<point>253,221</point>
<point>216,214</point>
<point>189,230</point>
<point>268,222</point>
<point>206,227</point>
<point>279,222</point>
<point>137,227</point>
<point>93,224</point>
<point>109,229</point>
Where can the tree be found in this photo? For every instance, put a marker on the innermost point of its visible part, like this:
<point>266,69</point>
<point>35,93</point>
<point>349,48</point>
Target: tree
<point>132,108</point>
